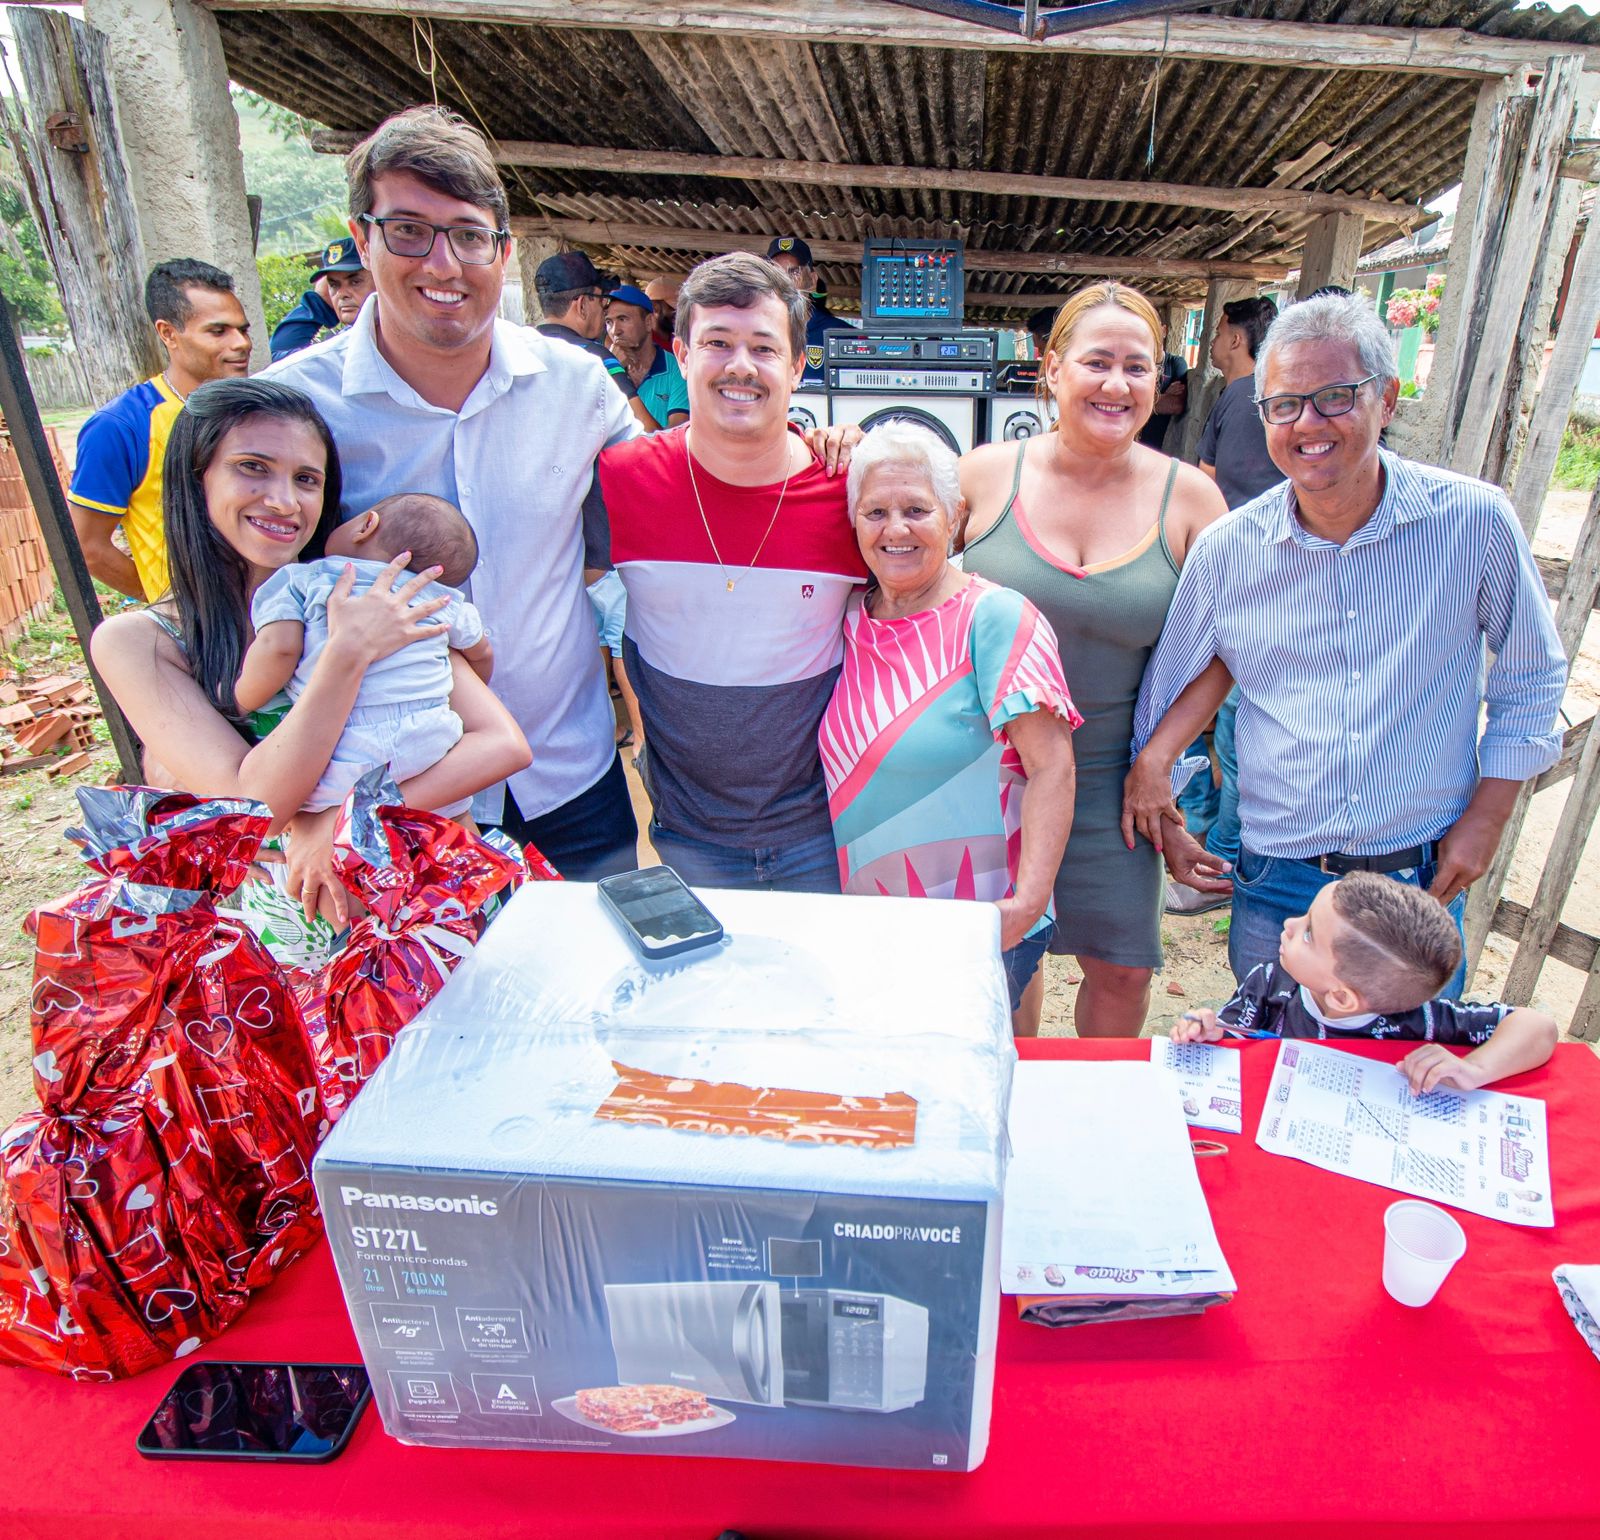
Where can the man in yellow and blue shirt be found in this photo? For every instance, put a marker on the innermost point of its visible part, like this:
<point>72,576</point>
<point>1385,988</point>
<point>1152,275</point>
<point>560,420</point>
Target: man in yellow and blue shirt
<point>117,476</point>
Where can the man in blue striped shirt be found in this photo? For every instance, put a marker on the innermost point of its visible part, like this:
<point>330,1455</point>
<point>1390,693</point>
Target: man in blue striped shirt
<point>1354,606</point>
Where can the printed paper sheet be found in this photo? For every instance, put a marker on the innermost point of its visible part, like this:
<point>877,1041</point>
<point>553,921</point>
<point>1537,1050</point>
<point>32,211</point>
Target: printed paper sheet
<point>1207,1078</point>
<point>1482,1151</point>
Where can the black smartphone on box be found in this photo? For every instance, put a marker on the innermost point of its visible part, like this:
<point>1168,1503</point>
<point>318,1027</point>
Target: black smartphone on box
<point>301,1413</point>
<point>659,913</point>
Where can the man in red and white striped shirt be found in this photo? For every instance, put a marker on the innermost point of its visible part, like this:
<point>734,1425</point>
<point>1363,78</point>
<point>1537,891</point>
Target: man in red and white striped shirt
<point>734,543</point>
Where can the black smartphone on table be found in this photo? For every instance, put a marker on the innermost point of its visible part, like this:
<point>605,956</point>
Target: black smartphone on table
<point>659,913</point>
<point>302,1413</point>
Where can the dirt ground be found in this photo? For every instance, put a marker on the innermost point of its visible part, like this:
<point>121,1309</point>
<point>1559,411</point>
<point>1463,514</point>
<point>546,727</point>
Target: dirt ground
<point>36,865</point>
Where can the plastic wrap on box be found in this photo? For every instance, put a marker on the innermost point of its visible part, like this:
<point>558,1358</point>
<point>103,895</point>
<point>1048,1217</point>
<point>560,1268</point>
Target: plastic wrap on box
<point>522,1272</point>
<point>425,881</point>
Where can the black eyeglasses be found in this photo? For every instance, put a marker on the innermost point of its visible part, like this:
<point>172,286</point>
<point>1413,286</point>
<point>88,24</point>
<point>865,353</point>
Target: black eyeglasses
<point>473,245</point>
<point>1330,401</point>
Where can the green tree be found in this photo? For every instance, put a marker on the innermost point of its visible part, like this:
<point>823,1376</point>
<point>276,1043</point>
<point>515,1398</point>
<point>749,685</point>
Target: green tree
<point>283,280</point>
<point>25,274</point>
<point>302,193</point>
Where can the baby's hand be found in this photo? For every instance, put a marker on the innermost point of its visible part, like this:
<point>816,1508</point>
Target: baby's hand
<point>1433,1065</point>
<point>1199,1026</point>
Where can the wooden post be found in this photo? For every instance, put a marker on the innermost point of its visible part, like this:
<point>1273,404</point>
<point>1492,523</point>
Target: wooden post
<point>1205,383</point>
<point>71,152</point>
<point>531,251</point>
<point>1577,600</point>
<point>1501,273</point>
<point>1555,881</point>
<point>1332,249</point>
<point>55,524</point>
<point>1554,403</point>
<point>1586,1019</point>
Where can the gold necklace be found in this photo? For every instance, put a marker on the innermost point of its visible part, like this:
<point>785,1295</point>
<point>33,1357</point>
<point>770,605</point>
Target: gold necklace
<point>771,523</point>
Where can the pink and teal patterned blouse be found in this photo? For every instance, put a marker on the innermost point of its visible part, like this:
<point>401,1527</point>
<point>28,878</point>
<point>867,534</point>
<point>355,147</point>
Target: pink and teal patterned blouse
<point>924,789</point>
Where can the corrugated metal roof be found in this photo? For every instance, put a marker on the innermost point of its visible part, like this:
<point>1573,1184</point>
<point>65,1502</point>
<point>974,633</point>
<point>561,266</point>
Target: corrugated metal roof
<point>1401,137</point>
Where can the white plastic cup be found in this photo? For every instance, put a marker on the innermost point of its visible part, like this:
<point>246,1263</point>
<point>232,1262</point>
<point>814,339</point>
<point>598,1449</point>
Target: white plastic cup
<point>1421,1243</point>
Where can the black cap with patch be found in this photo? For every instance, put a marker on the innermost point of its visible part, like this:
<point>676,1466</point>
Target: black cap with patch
<point>790,246</point>
<point>339,257</point>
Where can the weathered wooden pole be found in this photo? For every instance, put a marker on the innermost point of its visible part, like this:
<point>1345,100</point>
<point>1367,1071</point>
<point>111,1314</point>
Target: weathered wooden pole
<point>71,154</point>
<point>55,524</point>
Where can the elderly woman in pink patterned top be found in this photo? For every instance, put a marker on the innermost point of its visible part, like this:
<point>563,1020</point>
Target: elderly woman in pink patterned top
<point>947,745</point>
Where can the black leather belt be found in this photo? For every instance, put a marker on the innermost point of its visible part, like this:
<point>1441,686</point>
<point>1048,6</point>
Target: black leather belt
<point>1396,860</point>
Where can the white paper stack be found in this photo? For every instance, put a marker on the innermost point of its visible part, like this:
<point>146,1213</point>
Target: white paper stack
<point>1104,1215</point>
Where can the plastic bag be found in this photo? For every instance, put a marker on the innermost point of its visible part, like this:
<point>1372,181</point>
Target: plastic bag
<point>425,881</point>
<point>113,1258</point>
<point>180,1104</point>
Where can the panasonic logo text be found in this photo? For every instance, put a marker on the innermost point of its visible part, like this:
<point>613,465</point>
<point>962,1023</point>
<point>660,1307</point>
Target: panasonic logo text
<point>419,1204</point>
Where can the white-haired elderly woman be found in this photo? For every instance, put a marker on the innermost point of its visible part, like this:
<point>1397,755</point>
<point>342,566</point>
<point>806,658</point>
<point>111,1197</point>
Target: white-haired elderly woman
<point>947,745</point>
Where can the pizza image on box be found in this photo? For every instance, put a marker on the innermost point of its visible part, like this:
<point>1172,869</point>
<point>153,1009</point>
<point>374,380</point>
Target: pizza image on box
<point>644,1411</point>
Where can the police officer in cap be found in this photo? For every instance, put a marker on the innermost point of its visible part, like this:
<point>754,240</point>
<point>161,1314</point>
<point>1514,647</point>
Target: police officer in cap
<point>792,254</point>
<point>338,289</point>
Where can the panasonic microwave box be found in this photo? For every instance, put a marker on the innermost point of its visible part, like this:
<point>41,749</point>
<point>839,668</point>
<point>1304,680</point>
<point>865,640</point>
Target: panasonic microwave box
<point>525,1272</point>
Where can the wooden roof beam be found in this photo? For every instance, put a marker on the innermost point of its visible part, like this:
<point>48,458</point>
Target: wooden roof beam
<point>1436,51</point>
<point>1240,200</point>
<point>599,232</point>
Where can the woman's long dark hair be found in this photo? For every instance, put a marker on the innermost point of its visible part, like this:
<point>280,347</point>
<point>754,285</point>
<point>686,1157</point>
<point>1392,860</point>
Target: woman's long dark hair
<point>211,580</point>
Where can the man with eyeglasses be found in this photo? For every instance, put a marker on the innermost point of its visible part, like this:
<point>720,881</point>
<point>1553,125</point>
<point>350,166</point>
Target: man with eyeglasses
<point>429,392</point>
<point>1354,605</point>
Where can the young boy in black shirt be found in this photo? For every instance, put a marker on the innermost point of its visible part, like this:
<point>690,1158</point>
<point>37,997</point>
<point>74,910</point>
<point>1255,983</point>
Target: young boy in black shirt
<point>1365,961</point>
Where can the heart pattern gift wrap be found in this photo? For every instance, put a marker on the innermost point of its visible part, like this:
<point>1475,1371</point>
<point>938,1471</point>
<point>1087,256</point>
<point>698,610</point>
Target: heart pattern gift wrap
<point>425,882</point>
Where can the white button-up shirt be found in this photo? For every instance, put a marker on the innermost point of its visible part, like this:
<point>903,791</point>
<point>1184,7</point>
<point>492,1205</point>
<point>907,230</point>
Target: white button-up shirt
<point>517,459</point>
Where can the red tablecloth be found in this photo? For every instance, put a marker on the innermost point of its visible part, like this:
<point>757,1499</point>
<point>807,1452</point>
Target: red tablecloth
<point>1312,1405</point>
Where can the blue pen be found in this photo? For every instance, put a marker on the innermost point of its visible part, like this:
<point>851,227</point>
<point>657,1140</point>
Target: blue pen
<point>1229,1030</point>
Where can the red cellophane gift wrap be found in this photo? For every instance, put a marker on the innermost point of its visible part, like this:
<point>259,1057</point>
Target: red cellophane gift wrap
<point>169,1172</point>
<point>425,882</point>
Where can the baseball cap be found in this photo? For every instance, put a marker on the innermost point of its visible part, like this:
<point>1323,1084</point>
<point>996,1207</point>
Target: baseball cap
<point>339,257</point>
<point>566,271</point>
<point>790,246</point>
<point>627,294</point>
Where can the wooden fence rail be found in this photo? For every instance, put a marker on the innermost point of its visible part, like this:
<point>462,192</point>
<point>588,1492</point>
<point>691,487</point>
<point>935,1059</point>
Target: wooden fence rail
<point>58,380</point>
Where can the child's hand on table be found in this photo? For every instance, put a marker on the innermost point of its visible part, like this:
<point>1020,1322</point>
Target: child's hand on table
<point>1433,1066</point>
<point>1198,1026</point>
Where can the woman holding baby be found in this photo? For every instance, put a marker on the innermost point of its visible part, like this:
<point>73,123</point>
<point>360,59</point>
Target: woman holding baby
<point>251,484</point>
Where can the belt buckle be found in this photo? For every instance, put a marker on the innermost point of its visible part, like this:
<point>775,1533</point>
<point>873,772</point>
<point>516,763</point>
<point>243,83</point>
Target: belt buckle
<point>1331,871</point>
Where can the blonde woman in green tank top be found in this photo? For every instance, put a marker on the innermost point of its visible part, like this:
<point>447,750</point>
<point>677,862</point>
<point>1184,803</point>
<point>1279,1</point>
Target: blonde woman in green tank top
<point>1092,527</point>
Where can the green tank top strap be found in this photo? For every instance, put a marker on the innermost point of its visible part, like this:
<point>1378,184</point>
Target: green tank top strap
<point>1161,518</point>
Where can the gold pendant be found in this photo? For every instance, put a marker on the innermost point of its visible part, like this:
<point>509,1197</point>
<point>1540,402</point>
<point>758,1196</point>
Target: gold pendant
<point>730,585</point>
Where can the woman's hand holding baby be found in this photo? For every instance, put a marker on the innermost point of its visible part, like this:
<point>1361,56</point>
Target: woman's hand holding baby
<point>384,619</point>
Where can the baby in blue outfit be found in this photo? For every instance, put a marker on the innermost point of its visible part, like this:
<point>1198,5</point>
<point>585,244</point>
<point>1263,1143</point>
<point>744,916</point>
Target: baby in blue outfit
<point>402,716</point>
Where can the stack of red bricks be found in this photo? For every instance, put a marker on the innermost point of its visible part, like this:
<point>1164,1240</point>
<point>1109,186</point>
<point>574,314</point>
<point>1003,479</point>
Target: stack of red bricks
<point>41,716</point>
<point>27,583</point>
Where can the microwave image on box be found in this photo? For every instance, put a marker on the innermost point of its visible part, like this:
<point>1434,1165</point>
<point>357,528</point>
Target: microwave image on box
<point>861,1352</point>
<point>745,1342</point>
<point>718,1338</point>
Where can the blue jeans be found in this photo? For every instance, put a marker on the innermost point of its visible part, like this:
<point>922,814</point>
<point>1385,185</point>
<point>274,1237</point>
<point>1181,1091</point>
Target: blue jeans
<point>806,866</point>
<point>1223,839</point>
<point>1022,962</point>
<point>594,835</point>
<point>1268,890</point>
<point>1198,801</point>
